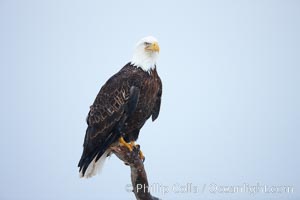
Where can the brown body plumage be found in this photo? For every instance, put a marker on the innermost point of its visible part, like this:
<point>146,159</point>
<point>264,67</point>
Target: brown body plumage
<point>121,108</point>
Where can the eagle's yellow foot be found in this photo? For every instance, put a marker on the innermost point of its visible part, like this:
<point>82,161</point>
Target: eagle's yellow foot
<point>142,157</point>
<point>124,143</point>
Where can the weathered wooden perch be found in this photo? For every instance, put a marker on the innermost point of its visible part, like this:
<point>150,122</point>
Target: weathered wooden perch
<point>138,174</point>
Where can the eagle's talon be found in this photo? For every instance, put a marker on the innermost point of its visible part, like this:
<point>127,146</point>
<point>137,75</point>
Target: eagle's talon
<point>141,155</point>
<point>124,143</point>
<point>138,148</point>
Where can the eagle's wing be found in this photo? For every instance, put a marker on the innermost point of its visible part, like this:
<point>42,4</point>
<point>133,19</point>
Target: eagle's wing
<point>156,109</point>
<point>108,111</point>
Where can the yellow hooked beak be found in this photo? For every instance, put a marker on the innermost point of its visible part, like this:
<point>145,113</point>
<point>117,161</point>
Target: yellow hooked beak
<point>153,47</point>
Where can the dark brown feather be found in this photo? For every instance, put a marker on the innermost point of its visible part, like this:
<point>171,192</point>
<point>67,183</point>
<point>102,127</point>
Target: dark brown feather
<point>110,107</point>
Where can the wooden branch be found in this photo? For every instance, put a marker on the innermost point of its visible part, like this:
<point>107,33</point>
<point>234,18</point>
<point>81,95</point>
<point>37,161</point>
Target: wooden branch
<point>138,174</point>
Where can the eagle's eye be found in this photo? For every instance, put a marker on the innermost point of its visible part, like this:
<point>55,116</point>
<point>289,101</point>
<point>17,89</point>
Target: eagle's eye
<point>146,43</point>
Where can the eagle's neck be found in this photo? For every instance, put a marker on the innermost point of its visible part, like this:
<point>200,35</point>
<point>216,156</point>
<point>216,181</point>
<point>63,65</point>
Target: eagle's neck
<point>144,60</point>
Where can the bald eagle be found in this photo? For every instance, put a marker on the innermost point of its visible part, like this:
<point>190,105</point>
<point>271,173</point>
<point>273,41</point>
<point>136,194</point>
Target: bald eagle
<point>123,105</point>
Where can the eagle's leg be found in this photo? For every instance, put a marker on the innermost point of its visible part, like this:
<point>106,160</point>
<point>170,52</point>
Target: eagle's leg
<point>142,157</point>
<point>124,143</point>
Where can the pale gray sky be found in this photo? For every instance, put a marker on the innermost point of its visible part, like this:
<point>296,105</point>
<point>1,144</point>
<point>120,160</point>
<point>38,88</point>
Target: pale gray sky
<point>231,103</point>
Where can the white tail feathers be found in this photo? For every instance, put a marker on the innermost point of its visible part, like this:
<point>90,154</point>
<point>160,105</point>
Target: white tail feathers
<point>94,167</point>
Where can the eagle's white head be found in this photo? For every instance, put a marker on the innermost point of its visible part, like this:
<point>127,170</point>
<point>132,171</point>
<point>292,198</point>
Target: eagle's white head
<point>145,53</point>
